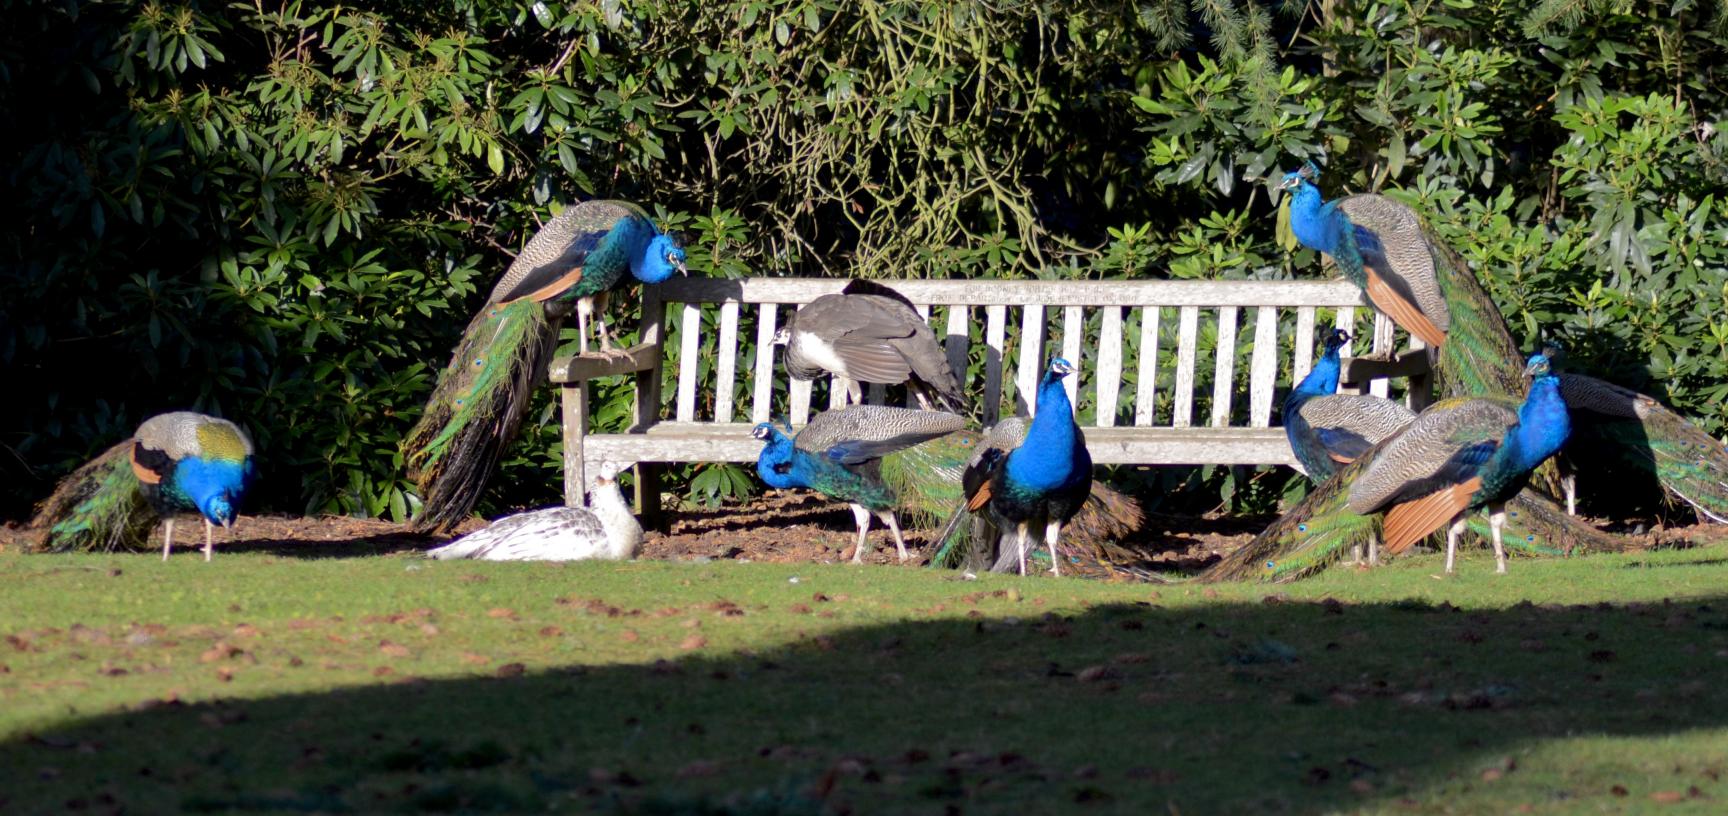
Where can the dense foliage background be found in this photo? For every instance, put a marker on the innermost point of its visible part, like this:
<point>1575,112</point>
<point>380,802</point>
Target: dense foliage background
<point>284,212</point>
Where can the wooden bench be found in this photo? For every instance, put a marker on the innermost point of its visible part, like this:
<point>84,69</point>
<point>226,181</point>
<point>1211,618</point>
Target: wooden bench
<point>1164,356</point>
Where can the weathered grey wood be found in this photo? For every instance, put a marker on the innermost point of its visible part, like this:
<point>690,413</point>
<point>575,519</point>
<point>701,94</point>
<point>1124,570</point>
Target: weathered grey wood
<point>690,338</point>
<point>577,369</point>
<point>1383,344</point>
<point>995,340</point>
<point>726,372</point>
<point>1263,367</point>
<point>956,344</point>
<point>647,407</point>
<point>1031,355</point>
<point>1109,365</point>
<point>1419,389</point>
<point>1304,359</point>
<point>1187,337</point>
<point>762,387</point>
<point>1146,375</point>
<point>1359,371</point>
<point>1224,374</point>
<point>731,442</point>
<point>799,399</point>
<point>574,399</point>
<point>837,387</point>
<point>1073,334</point>
<point>1038,293</point>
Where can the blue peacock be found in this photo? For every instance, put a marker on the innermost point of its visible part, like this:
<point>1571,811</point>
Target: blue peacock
<point>1383,246</point>
<point>1457,456</point>
<point>1044,481</point>
<point>876,458</point>
<point>175,462</point>
<point>573,262</point>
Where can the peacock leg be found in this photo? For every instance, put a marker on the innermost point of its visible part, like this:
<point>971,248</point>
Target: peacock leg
<point>862,516</point>
<point>1570,483</point>
<point>1020,545</point>
<point>887,517</point>
<point>608,346</point>
<point>167,537</point>
<point>1373,549</point>
<point>584,312</point>
<point>1497,520</point>
<point>854,392</point>
<point>208,529</point>
<point>1051,530</point>
<point>1452,534</point>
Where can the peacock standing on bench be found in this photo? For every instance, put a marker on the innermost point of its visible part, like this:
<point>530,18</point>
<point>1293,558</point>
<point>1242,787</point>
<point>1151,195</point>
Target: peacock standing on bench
<point>176,462</point>
<point>870,336</point>
<point>861,454</point>
<point>1373,238</point>
<point>574,261</point>
<point>1045,480</point>
<point>1459,455</point>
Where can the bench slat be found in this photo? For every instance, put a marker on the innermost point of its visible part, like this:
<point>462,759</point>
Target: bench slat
<point>955,344</point>
<point>762,389</point>
<point>1263,370</point>
<point>726,375</point>
<point>1304,345</point>
<point>1073,332</point>
<point>1039,293</point>
<point>1187,337</point>
<point>1031,354</point>
<point>690,328</point>
<point>1382,343</point>
<point>995,331</point>
<point>837,387</point>
<point>1146,385</point>
<point>1109,365</point>
<point>1224,374</point>
<point>1346,320</point>
<point>798,395</point>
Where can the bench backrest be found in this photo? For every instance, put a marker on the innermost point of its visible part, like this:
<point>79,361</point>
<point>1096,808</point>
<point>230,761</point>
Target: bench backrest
<point>1140,346</point>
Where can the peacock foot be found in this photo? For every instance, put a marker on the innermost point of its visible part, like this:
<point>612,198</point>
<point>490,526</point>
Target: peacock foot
<point>608,354</point>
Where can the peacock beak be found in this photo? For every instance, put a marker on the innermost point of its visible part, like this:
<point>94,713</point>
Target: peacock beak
<point>678,263</point>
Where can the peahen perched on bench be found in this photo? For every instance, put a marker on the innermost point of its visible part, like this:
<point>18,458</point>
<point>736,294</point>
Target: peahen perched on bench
<point>573,262</point>
<point>1382,245</point>
<point>174,463</point>
<point>868,334</point>
<point>1045,480</point>
<point>871,456</point>
<point>1459,455</point>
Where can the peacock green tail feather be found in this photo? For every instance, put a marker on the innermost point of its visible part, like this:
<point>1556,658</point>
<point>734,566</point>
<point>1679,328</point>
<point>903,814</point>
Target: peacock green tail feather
<point>1091,540</point>
<point>1537,525</point>
<point>925,478</point>
<point>1691,465</point>
<point>1307,538</point>
<point>1479,357</point>
<point>100,506</point>
<point>476,408</point>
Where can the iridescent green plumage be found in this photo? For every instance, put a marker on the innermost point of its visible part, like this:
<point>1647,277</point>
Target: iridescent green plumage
<point>100,506</point>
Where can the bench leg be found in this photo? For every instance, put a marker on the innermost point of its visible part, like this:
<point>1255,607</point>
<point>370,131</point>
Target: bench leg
<point>648,485</point>
<point>575,420</point>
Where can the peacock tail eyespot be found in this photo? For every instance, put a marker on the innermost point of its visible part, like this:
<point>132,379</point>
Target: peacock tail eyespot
<point>1530,538</point>
<point>1301,528</point>
<point>1271,564</point>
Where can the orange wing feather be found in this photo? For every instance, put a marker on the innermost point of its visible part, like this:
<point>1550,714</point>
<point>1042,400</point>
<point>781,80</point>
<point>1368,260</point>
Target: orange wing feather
<point>1402,311</point>
<point>143,473</point>
<point>1413,521</point>
<point>550,290</point>
<point>979,499</point>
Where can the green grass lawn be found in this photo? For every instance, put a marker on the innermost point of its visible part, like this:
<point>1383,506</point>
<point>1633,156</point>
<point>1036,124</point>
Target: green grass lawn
<point>265,683</point>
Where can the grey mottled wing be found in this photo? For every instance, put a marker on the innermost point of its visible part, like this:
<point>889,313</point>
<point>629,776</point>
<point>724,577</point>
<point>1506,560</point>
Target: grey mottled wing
<point>551,534</point>
<point>877,338</point>
<point>862,432</point>
<point>176,434</point>
<point>1404,242</point>
<point>1425,449</point>
<point>1349,424</point>
<point>1588,395</point>
<point>561,245</point>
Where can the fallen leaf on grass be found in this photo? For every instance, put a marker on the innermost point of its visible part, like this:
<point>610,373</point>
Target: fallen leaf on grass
<point>1668,797</point>
<point>630,636</point>
<point>475,659</point>
<point>1619,790</point>
<point>225,674</point>
<point>392,649</point>
<point>512,670</point>
<point>245,630</point>
<point>501,612</point>
<point>693,642</point>
<point>550,631</point>
<point>220,651</point>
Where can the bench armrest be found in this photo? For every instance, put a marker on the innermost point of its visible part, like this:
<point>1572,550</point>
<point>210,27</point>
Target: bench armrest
<point>576,368</point>
<point>1359,370</point>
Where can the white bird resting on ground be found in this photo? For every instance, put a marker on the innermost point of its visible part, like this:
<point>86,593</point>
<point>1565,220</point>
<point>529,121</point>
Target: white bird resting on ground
<point>604,530</point>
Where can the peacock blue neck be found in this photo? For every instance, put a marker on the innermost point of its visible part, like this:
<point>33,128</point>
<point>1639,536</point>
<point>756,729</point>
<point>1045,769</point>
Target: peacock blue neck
<point>652,265</point>
<point>1046,460</point>
<point>1311,220</point>
<point>1543,425</point>
<point>212,486</point>
<point>1323,378</point>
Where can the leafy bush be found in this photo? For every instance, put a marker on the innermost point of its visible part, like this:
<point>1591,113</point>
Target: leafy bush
<point>284,212</point>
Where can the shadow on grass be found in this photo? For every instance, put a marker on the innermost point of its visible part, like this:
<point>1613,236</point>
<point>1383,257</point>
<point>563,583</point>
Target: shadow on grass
<point>365,546</point>
<point>1287,707</point>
